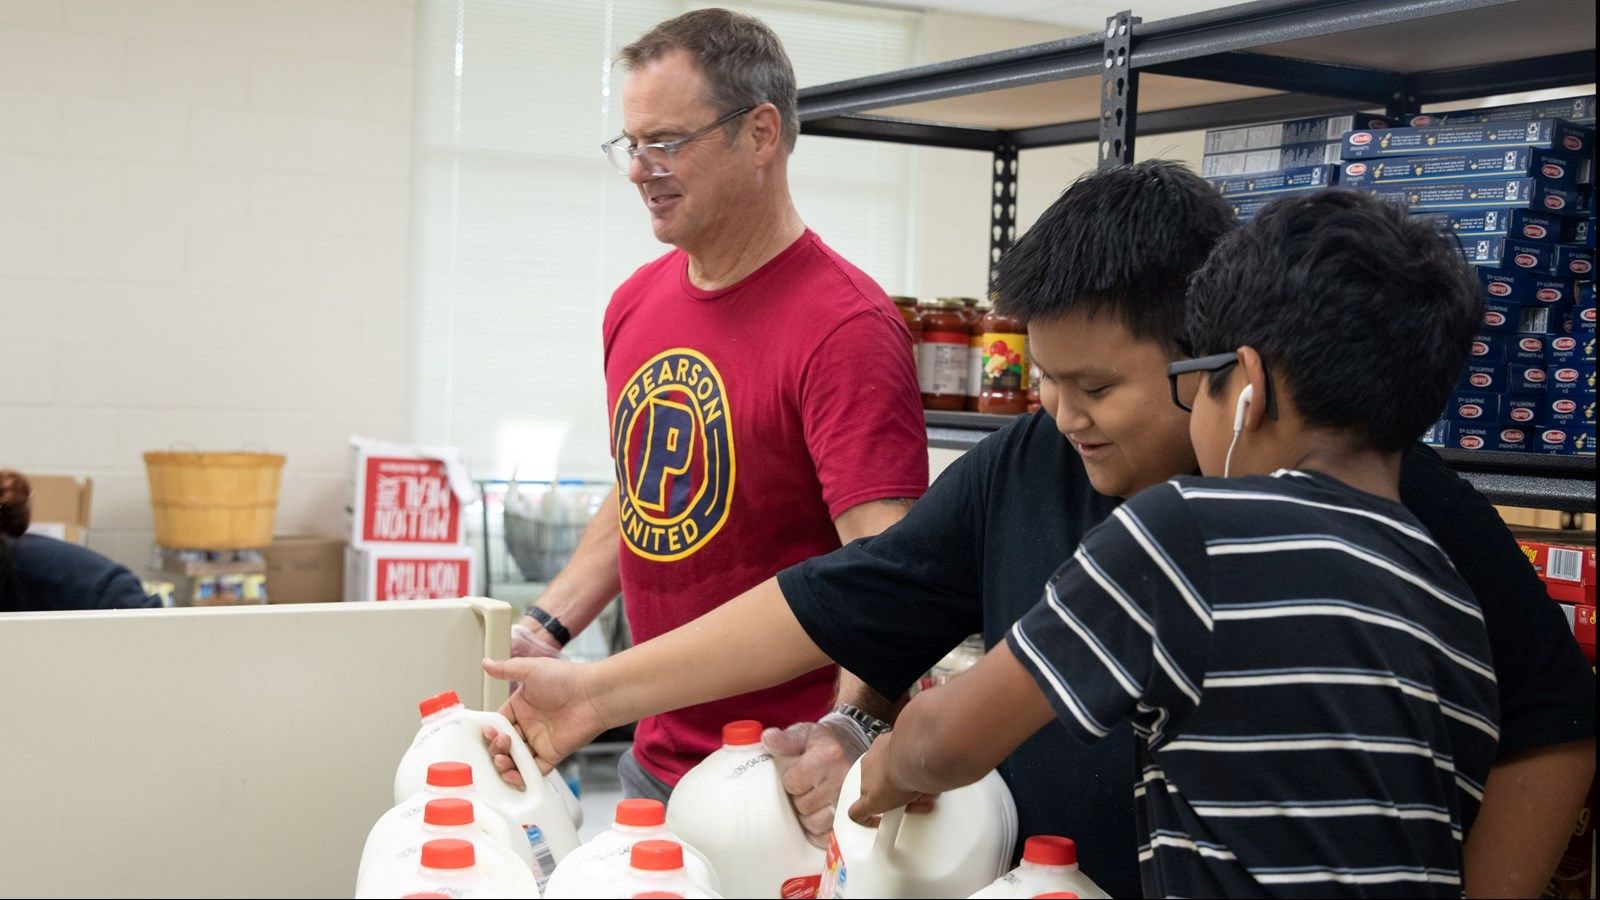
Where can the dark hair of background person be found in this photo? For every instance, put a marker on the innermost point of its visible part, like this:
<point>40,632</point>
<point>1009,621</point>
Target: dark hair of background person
<point>1364,312</point>
<point>1122,242</point>
<point>16,510</point>
<point>743,62</point>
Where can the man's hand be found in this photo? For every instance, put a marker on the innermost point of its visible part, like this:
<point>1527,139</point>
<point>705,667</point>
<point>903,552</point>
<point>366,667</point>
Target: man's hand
<point>879,794</point>
<point>529,639</point>
<point>813,758</point>
<point>551,710</point>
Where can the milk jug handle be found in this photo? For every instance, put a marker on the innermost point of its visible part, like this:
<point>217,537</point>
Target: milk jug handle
<point>526,764</point>
<point>888,830</point>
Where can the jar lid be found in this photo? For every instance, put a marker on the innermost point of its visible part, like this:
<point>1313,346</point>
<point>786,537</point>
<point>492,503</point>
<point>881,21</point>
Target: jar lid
<point>900,300</point>
<point>944,303</point>
<point>968,302</point>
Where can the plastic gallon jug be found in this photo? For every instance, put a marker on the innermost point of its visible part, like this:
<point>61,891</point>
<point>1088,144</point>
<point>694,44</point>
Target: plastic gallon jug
<point>450,731</point>
<point>593,870</point>
<point>962,845</point>
<point>1049,866</point>
<point>656,867</point>
<point>442,819</point>
<point>448,867</point>
<point>732,807</point>
<point>444,780</point>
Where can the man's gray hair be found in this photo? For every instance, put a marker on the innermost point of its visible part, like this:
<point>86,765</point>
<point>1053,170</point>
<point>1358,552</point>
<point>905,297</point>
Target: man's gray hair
<point>741,58</point>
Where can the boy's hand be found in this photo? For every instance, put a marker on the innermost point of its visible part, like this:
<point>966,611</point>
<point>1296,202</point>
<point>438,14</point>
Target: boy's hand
<point>879,794</point>
<point>552,711</point>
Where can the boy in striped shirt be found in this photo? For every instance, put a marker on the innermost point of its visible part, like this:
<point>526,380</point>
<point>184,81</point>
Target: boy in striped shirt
<point>1308,676</point>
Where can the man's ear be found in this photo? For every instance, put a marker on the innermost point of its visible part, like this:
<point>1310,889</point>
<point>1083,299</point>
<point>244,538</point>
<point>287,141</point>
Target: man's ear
<point>766,128</point>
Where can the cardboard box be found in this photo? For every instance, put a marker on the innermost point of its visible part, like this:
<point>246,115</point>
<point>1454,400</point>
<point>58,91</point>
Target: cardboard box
<point>1501,222</point>
<point>1500,316</point>
<point>1540,320</point>
<point>1474,407</point>
<point>1567,350</point>
<point>410,573</point>
<point>305,569</point>
<point>1511,256</point>
<point>407,495</point>
<point>1526,378</point>
<point>1317,130</point>
<point>1438,434</point>
<point>1578,231</point>
<point>1564,560</point>
<point>1525,410</point>
<point>1549,134</point>
<point>1569,413</point>
<point>1526,290</point>
<point>1532,193</point>
<point>1469,435</point>
<point>1512,162</point>
<point>1573,109</point>
<point>211,577</point>
<point>1287,181</point>
<point>61,507</point>
<point>1482,376</point>
<point>1573,379</point>
<point>1573,261</point>
<point>1253,161</point>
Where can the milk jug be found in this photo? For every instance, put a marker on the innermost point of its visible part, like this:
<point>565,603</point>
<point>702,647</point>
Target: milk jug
<point>447,867</point>
<point>450,731</point>
<point>593,870</point>
<point>959,847</point>
<point>1049,865</point>
<point>656,867</point>
<point>732,807</point>
<point>445,779</point>
<point>445,818</point>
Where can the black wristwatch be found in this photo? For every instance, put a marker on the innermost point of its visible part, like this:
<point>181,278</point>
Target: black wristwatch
<point>874,726</point>
<point>551,624</point>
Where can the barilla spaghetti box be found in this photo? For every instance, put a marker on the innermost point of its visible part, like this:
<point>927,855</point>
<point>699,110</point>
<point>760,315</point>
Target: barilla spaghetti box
<point>1488,348</point>
<point>1574,262</point>
<point>1526,290</point>
<point>1489,436</point>
<point>1274,183</point>
<point>1525,378</point>
<point>1550,134</point>
<point>1573,109</point>
<point>1507,255</point>
<point>409,573</point>
<point>1569,350</point>
<point>1500,316</point>
<point>407,495</point>
<point>1573,381</point>
<point>1501,222</point>
<point>1553,440</point>
<point>1423,196</point>
<point>1482,376</point>
<point>1569,412</point>
<point>1438,434</point>
<point>1527,410</point>
<point>1512,162</point>
<point>1541,320</point>
<point>1318,130</point>
<point>1275,159</point>
<point>1578,231</point>
<point>1481,407</point>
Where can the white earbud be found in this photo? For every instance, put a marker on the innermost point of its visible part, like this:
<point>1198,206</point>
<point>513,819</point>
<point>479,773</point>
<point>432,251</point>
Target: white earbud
<point>1245,396</point>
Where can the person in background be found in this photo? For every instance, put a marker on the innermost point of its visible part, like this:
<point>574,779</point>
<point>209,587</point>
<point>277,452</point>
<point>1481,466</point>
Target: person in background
<point>42,573</point>
<point>1100,281</point>
<point>762,394</point>
<point>1305,672</point>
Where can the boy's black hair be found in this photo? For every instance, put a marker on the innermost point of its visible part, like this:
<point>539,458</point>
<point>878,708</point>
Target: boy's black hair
<point>1365,313</point>
<point>1122,241</point>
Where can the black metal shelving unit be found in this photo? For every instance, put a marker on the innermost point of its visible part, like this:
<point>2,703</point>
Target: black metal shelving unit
<point>1238,65</point>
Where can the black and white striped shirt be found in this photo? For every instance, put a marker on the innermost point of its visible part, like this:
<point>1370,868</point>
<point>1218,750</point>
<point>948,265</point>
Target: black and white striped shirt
<point>1308,676</point>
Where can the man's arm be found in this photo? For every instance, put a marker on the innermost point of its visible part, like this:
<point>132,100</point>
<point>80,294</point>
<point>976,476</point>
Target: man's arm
<point>1529,806</point>
<point>584,585</point>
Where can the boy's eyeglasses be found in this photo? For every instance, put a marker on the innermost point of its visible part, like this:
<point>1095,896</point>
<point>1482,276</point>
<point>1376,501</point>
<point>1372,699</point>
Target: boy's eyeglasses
<point>1216,362</point>
<point>657,158</point>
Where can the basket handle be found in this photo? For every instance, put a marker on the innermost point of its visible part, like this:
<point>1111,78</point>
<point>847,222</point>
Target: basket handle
<point>255,446</point>
<point>175,446</point>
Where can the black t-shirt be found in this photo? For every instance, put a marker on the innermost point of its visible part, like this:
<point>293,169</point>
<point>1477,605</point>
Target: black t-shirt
<point>975,552</point>
<point>47,574</point>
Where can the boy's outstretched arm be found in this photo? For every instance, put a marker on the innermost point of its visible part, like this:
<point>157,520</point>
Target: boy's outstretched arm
<point>953,735</point>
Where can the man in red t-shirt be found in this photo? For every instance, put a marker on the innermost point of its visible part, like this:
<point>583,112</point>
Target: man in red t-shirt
<point>762,394</point>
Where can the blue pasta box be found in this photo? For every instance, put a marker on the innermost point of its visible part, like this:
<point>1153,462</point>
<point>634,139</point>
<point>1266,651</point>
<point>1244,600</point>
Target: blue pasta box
<point>1526,290</point>
<point>1573,109</point>
<point>1474,406</point>
<point>1499,221</point>
<point>1583,440</point>
<point>1490,436</point>
<point>1526,378</point>
<point>1576,440</point>
<point>1572,381</point>
<point>1528,410</point>
<point>1488,348</point>
<point>1274,183</point>
<point>1571,350</point>
<point>1551,134</point>
<point>1518,162</point>
<point>1572,261</point>
<point>1566,412</point>
<point>1578,231</point>
<point>1438,434</point>
<point>1541,320</point>
<point>1500,316</point>
<point>1532,193</point>
<point>1527,257</point>
<point>1482,376</point>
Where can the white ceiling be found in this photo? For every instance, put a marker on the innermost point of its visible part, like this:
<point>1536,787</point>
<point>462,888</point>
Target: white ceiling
<point>1082,15</point>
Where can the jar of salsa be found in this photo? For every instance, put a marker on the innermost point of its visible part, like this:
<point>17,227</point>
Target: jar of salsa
<point>1033,387</point>
<point>942,355</point>
<point>1003,383</point>
<point>974,315</point>
<point>907,307</point>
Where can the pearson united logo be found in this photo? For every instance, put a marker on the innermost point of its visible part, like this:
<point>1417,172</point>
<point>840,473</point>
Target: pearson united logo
<point>673,441</point>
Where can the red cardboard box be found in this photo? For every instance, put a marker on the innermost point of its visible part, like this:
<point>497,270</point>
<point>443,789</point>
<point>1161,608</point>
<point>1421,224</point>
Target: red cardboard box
<point>1565,561</point>
<point>440,573</point>
<point>1581,620</point>
<point>407,495</point>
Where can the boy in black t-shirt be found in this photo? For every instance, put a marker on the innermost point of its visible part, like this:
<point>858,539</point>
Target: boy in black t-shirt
<point>1308,677</point>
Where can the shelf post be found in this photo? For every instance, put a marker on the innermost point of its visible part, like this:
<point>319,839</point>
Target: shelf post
<point>1403,102</point>
<point>1003,203</point>
<point>1119,92</point>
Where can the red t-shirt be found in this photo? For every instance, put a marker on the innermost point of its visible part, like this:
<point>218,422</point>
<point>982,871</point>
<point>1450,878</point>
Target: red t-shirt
<point>742,422</point>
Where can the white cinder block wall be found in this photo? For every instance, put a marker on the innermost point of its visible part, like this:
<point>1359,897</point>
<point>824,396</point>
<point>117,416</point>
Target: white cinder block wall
<point>203,238</point>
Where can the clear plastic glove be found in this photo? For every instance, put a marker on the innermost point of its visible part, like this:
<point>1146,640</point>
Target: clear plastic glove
<point>813,758</point>
<point>526,642</point>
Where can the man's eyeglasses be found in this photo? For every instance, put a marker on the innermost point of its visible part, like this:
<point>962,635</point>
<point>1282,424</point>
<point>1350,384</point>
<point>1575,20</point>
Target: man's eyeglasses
<point>657,158</point>
<point>1217,362</point>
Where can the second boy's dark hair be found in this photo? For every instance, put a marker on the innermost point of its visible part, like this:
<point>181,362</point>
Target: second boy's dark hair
<point>1362,311</point>
<point>1123,242</point>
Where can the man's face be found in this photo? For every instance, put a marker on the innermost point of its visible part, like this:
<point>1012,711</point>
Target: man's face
<point>1108,393</point>
<point>661,101</point>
